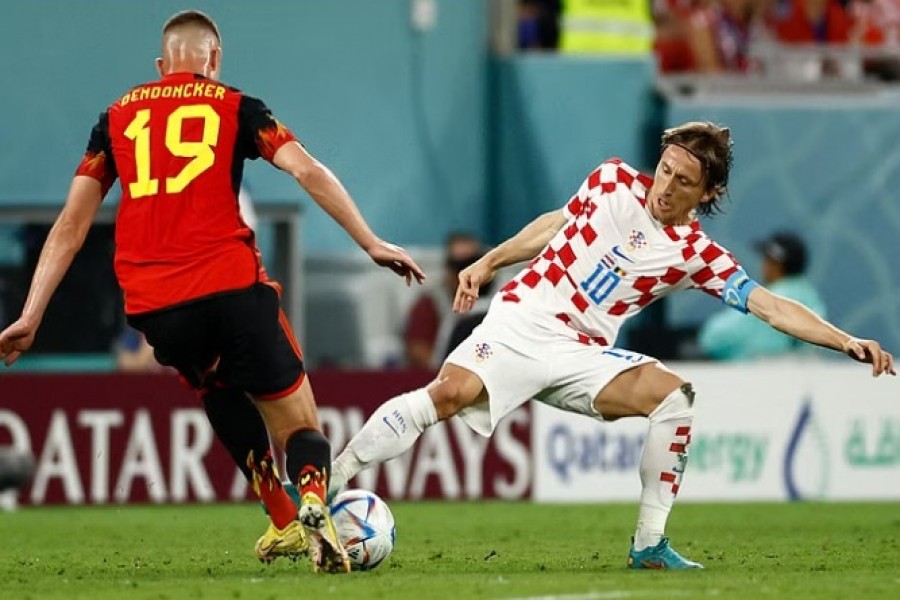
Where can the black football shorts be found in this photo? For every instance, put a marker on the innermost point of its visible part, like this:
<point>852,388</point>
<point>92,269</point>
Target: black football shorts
<point>238,339</point>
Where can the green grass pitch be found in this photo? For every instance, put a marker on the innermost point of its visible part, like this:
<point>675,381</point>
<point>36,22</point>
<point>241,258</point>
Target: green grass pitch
<point>458,550</point>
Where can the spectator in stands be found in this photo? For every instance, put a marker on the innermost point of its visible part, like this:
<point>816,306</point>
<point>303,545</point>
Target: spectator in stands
<point>623,27</point>
<point>538,26</point>
<point>811,22</point>
<point>737,336</point>
<point>876,24</point>
<point>671,46</point>
<point>719,35</point>
<point>804,23</point>
<point>429,324</point>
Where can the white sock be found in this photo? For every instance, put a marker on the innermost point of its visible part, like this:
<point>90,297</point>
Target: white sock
<point>662,464</point>
<point>391,430</point>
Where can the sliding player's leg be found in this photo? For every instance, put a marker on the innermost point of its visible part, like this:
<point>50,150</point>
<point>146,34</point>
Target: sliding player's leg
<point>485,378</point>
<point>396,425</point>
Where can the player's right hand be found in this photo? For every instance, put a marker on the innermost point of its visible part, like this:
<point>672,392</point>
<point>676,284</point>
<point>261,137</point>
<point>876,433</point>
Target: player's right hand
<point>16,339</point>
<point>470,280</point>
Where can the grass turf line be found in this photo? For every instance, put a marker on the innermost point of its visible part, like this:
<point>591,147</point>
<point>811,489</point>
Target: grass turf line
<point>458,550</point>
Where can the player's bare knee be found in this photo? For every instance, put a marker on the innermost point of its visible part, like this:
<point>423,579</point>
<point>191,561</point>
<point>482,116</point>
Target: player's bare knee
<point>452,394</point>
<point>656,384</point>
<point>446,395</point>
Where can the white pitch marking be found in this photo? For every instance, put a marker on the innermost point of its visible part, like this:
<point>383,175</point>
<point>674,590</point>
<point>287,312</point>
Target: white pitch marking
<point>608,595</point>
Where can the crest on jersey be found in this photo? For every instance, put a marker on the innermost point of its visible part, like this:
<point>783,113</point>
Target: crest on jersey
<point>483,351</point>
<point>636,240</point>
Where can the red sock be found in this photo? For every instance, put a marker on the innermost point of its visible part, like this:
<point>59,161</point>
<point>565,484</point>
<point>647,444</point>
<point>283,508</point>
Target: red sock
<point>313,481</point>
<point>267,486</point>
<point>308,456</point>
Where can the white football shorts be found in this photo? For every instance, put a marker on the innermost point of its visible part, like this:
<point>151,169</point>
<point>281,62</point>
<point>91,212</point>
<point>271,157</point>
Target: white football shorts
<point>518,360</point>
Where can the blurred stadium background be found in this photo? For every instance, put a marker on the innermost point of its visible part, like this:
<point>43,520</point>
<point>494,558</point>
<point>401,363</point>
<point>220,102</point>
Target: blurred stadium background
<point>474,115</point>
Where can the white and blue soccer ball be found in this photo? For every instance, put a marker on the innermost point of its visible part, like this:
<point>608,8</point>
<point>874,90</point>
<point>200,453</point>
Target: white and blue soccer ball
<point>365,526</point>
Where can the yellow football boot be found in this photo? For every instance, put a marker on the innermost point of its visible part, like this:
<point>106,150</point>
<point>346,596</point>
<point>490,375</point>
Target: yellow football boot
<point>327,552</point>
<point>290,542</point>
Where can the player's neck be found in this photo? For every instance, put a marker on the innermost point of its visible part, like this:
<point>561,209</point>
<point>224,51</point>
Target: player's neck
<point>177,68</point>
<point>676,221</point>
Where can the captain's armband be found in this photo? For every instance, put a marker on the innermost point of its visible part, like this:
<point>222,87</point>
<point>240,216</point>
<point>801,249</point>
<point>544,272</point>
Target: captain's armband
<point>737,290</point>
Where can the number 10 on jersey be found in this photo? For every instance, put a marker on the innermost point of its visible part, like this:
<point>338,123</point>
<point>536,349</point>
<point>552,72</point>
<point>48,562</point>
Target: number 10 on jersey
<point>602,281</point>
<point>201,153</point>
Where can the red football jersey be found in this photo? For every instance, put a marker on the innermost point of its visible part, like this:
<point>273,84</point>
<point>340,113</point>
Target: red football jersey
<point>178,146</point>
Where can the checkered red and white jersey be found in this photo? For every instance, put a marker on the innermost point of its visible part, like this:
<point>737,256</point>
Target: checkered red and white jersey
<point>611,259</point>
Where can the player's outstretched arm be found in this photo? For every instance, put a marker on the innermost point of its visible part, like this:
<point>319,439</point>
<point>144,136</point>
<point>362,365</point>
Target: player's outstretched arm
<point>792,318</point>
<point>63,243</point>
<point>328,192</point>
<point>525,245</point>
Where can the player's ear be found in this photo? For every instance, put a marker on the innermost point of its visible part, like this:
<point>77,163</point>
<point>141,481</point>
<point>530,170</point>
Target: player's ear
<point>159,66</point>
<point>711,194</point>
<point>215,62</point>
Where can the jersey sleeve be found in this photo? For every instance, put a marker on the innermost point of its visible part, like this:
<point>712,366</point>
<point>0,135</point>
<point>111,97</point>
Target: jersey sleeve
<point>97,161</point>
<point>711,267</point>
<point>261,134</point>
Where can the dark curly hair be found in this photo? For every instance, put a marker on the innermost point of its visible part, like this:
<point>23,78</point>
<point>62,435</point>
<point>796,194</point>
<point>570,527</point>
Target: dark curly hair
<point>710,144</point>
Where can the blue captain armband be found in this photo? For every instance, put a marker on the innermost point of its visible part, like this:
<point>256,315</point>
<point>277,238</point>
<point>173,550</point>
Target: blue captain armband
<point>737,290</point>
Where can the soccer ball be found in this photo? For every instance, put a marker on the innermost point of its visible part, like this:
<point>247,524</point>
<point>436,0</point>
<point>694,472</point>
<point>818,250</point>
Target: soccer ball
<point>366,527</point>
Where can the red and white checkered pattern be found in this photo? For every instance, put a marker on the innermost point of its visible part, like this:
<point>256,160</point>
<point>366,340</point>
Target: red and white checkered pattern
<point>680,450</point>
<point>609,224</point>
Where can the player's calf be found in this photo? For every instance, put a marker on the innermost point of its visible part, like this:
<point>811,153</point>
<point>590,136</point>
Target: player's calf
<point>391,430</point>
<point>663,462</point>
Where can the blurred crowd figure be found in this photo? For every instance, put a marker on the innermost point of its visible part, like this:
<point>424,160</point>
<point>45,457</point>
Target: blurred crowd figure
<point>432,329</point>
<point>717,36</point>
<point>538,27</point>
<point>705,36</point>
<point>730,335</point>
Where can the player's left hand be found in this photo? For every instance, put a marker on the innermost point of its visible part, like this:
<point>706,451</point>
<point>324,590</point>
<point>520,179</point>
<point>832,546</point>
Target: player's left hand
<point>397,260</point>
<point>16,339</point>
<point>870,351</point>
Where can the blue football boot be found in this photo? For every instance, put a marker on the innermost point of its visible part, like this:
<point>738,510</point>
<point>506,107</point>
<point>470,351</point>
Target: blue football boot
<point>660,556</point>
